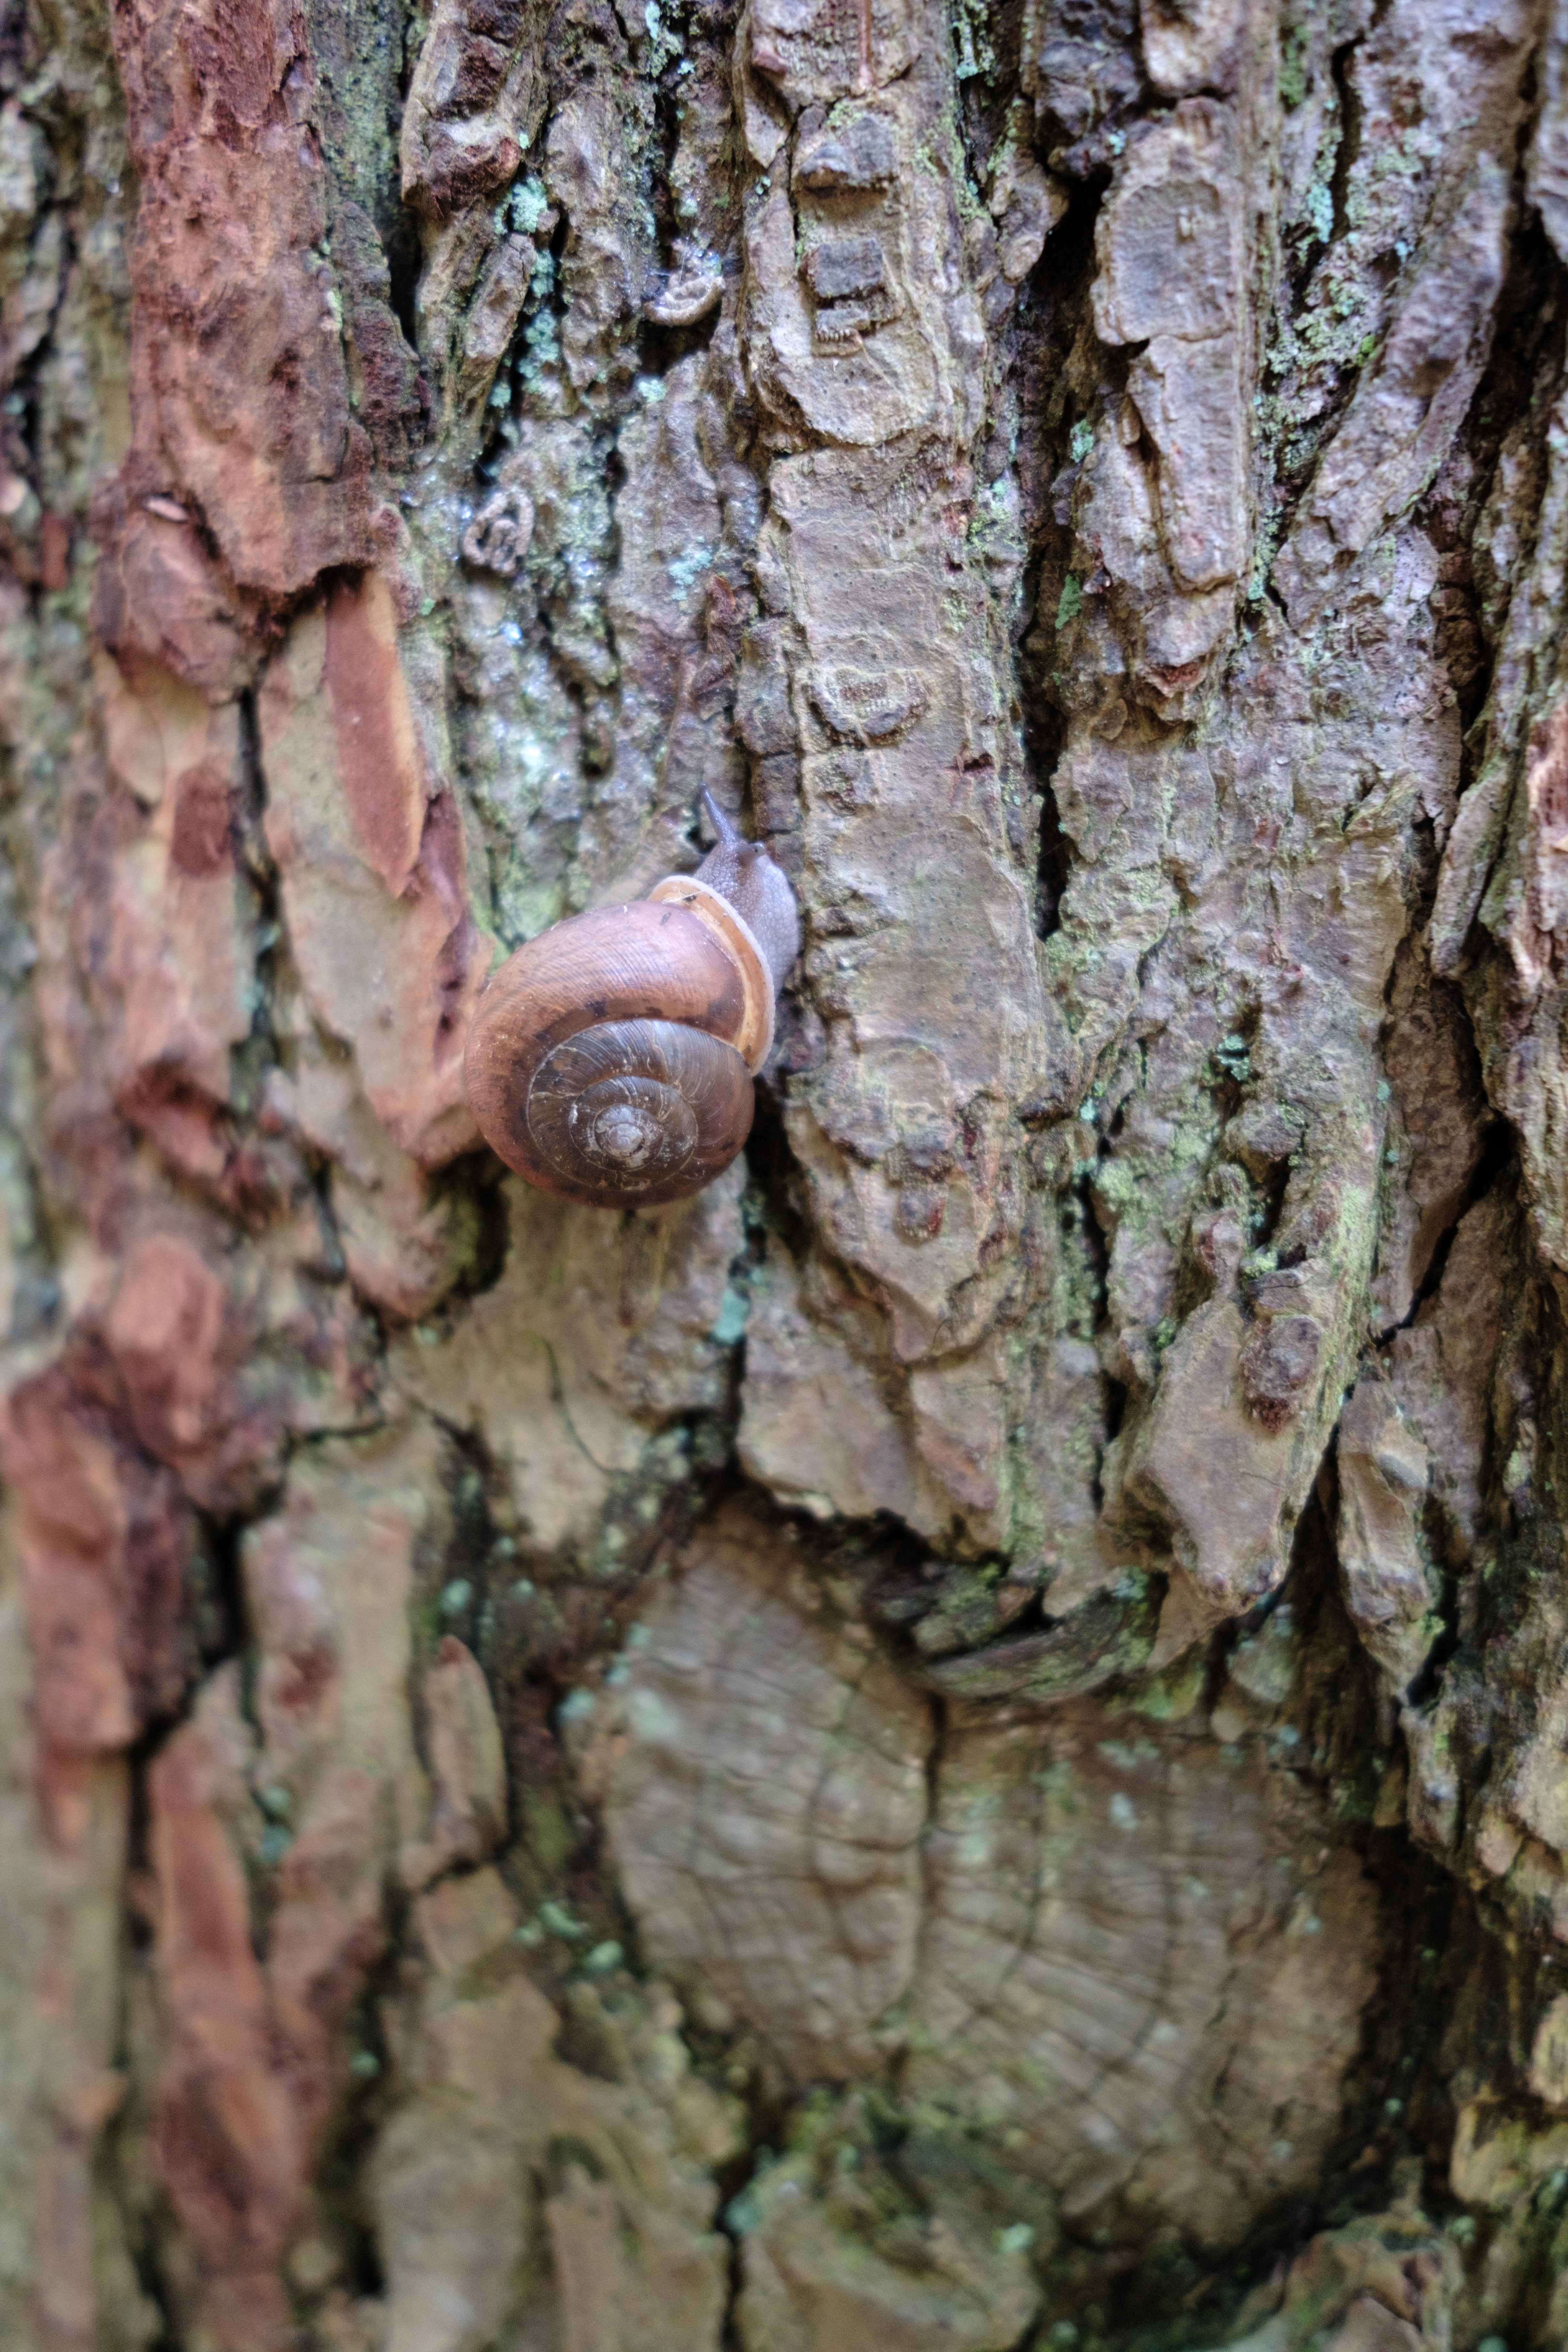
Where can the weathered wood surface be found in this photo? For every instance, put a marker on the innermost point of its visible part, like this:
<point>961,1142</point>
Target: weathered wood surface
<point>963,1741</point>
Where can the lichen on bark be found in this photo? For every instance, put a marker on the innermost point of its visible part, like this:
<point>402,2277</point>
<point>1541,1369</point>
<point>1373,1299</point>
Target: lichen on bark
<point>958,1741</point>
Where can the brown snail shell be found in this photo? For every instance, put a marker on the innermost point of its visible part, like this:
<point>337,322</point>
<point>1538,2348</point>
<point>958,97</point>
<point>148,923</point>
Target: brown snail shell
<point>610,1059</point>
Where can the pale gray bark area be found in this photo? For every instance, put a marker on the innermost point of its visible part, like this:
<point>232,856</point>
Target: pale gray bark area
<point>959,1744</point>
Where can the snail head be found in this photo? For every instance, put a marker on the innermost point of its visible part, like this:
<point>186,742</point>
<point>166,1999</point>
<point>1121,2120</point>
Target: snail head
<point>743,872</point>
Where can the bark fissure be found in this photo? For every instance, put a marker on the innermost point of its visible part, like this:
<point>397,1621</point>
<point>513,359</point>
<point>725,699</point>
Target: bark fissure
<point>957,1741</point>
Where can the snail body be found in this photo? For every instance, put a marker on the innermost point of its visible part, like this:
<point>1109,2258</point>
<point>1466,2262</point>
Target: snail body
<point>611,1059</point>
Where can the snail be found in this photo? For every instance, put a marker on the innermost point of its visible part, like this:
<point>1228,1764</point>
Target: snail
<point>610,1060</point>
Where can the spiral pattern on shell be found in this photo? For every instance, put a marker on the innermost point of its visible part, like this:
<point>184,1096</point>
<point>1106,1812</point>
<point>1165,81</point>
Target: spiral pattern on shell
<point>610,1059</point>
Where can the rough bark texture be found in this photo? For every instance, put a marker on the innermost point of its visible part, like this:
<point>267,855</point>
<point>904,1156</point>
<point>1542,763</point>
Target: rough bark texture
<point>962,1743</point>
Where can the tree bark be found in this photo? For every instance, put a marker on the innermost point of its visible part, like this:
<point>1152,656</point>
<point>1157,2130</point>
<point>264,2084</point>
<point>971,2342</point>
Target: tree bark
<point>962,1740</point>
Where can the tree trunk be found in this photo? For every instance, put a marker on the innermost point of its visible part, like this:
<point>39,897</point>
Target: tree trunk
<point>960,1741</point>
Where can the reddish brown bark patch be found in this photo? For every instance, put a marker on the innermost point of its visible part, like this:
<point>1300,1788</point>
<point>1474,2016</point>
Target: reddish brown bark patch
<point>226,2137</point>
<point>105,1540</point>
<point>378,753</point>
<point>158,593</point>
<point>201,843</point>
<point>239,385</point>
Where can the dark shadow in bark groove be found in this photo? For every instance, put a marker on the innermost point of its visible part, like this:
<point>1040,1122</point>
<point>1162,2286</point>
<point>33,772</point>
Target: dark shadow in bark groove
<point>774,1175</point>
<point>1055,870</point>
<point>116,2161</point>
<point>1499,1160</point>
<point>405,260</point>
<point>260,1050</point>
<point>1038,341</point>
<point>1398,2104</point>
<point>358,2120</point>
<point>480,1179</point>
<point>660,349</point>
<point>217,1591</point>
<point>1347,151</point>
